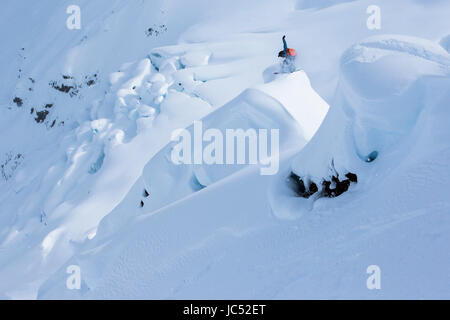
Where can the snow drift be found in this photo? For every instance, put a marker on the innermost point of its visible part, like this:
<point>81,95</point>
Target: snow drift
<point>160,262</point>
<point>386,83</point>
<point>84,111</point>
<point>297,113</point>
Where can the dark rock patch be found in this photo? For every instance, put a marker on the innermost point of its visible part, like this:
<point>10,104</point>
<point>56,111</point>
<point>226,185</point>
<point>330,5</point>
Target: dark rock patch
<point>91,80</point>
<point>156,30</point>
<point>62,88</point>
<point>18,101</point>
<point>352,177</point>
<point>298,185</point>
<point>329,188</point>
<point>41,116</point>
<point>335,187</point>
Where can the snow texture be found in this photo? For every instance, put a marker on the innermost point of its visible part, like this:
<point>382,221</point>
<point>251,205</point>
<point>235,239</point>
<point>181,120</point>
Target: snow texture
<point>87,118</point>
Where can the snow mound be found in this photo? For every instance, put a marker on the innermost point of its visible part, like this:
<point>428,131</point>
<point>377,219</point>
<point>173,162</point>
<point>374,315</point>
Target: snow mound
<point>294,92</point>
<point>288,104</point>
<point>382,85</point>
<point>163,182</point>
<point>79,124</point>
<point>386,83</point>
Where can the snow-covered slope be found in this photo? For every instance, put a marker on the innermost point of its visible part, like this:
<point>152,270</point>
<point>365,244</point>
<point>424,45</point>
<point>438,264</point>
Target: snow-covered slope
<point>229,231</point>
<point>87,117</point>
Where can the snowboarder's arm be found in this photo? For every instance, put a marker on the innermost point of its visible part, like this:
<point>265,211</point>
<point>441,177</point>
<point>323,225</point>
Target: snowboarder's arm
<point>285,47</point>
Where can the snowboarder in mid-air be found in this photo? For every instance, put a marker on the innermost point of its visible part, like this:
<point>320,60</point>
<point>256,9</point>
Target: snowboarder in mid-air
<point>289,55</point>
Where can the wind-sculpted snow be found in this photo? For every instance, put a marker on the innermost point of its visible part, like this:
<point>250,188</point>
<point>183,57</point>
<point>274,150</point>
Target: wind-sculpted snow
<point>385,106</point>
<point>386,84</point>
<point>83,111</point>
<point>227,233</point>
<point>87,116</point>
<point>253,109</point>
<point>388,45</point>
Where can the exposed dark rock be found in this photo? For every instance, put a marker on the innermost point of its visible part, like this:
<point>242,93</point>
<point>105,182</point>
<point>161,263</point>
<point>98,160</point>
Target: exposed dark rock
<point>311,189</point>
<point>339,186</point>
<point>91,80</point>
<point>41,116</point>
<point>298,185</point>
<point>48,106</point>
<point>61,88</point>
<point>18,101</point>
<point>146,194</point>
<point>329,189</point>
<point>352,177</point>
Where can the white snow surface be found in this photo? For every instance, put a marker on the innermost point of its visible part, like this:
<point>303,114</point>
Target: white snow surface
<point>86,122</point>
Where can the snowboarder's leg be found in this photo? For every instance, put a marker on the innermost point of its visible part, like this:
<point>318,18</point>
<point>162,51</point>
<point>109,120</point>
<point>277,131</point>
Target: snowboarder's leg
<point>292,66</point>
<point>288,65</point>
<point>284,66</point>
